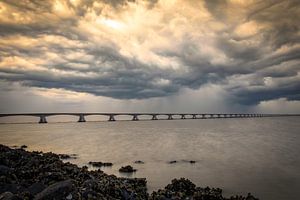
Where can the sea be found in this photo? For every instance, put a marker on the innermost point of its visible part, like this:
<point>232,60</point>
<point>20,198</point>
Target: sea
<point>239,155</point>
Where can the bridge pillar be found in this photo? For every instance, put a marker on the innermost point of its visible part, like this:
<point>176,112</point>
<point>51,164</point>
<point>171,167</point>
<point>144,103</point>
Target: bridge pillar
<point>43,119</point>
<point>111,118</point>
<point>81,118</point>
<point>194,116</point>
<point>170,117</point>
<point>183,117</point>
<point>135,118</point>
<point>219,115</point>
<point>154,117</point>
<point>211,115</point>
<point>203,116</point>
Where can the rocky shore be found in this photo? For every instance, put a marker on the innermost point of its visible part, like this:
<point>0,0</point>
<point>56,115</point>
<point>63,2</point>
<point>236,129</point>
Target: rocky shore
<point>42,176</point>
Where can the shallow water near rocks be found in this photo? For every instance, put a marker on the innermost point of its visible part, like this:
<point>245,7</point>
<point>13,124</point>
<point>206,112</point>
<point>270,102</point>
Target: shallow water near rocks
<point>257,155</point>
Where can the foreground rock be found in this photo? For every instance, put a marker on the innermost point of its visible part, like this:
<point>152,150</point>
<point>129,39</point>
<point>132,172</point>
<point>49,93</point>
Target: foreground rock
<point>37,176</point>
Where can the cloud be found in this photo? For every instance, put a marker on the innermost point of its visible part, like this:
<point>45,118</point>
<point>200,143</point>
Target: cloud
<point>146,49</point>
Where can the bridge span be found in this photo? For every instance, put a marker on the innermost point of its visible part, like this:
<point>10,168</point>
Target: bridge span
<point>153,116</point>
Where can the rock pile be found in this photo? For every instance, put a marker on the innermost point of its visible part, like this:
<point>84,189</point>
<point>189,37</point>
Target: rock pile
<point>127,169</point>
<point>185,189</point>
<point>36,175</point>
<point>43,176</point>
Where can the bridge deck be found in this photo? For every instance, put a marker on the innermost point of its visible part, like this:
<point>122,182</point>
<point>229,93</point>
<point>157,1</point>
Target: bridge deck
<point>135,116</point>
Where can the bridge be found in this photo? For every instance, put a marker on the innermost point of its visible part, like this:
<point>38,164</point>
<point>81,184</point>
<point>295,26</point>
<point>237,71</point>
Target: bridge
<point>152,116</point>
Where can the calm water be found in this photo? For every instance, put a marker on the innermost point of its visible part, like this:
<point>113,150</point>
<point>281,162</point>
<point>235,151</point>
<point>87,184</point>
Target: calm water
<point>258,155</point>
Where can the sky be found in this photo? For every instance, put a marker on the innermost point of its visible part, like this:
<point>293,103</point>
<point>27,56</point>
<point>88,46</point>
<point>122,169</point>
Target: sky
<point>150,56</point>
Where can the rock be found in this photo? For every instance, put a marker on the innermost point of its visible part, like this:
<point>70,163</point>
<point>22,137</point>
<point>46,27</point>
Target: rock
<point>192,161</point>
<point>250,197</point>
<point>9,196</point>
<point>127,169</point>
<point>67,156</point>
<point>11,187</point>
<point>23,146</point>
<point>139,162</point>
<point>100,164</point>
<point>173,161</point>
<point>90,184</point>
<point>181,185</point>
<point>4,170</point>
<point>59,190</point>
<point>38,175</point>
<point>36,188</point>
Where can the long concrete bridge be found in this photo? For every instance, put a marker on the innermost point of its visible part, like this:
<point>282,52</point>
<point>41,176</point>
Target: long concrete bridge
<point>152,116</point>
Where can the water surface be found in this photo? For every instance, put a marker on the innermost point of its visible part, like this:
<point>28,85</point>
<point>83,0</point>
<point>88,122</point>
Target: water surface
<point>257,155</point>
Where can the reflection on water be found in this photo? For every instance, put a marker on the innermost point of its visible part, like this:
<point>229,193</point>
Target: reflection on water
<point>258,155</point>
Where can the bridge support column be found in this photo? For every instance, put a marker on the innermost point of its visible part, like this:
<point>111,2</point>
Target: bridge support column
<point>135,118</point>
<point>211,115</point>
<point>154,117</point>
<point>170,117</point>
<point>43,119</point>
<point>111,118</point>
<point>81,118</point>
<point>194,117</point>
<point>219,115</point>
<point>203,116</point>
<point>182,116</point>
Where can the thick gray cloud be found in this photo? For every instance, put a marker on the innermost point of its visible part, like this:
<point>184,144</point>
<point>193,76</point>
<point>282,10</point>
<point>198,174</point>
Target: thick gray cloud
<point>139,50</point>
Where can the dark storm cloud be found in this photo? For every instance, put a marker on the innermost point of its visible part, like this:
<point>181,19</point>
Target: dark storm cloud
<point>92,62</point>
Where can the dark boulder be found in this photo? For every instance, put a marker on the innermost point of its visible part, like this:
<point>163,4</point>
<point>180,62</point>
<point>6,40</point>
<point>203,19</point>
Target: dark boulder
<point>127,169</point>
<point>60,190</point>
<point>4,170</point>
<point>9,196</point>
<point>36,188</point>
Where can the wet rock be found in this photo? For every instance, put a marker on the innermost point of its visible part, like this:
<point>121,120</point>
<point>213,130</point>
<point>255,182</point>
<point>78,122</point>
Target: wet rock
<point>36,188</point>
<point>127,169</point>
<point>90,184</point>
<point>11,187</point>
<point>250,197</point>
<point>100,164</point>
<point>192,161</point>
<point>67,156</point>
<point>172,161</point>
<point>59,190</point>
<point>4,170</point>
<point>182,185</point>
<point>9,196</point>
<point>139,162</point>
<point>23,146</point>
